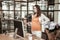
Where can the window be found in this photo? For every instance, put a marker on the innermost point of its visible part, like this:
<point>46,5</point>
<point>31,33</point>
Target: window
<point>17,9</point>
<point>8,14</point>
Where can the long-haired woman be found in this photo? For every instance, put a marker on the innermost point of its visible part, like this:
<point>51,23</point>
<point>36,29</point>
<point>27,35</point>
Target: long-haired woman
<point>38,21</point>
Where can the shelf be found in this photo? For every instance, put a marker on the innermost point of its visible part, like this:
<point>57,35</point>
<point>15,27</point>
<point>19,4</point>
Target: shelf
<point>13,19</point>
<point>16,10</point>
<point>25,1</point>
<point>21,1</point>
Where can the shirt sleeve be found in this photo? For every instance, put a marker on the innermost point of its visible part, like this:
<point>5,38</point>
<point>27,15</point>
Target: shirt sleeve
<point>44,20</point>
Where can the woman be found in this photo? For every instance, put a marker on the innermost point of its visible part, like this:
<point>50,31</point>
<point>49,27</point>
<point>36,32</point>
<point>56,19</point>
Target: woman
<point>38,21</point>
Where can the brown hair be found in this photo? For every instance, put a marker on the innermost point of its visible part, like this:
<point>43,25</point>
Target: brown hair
<point>38,10</point>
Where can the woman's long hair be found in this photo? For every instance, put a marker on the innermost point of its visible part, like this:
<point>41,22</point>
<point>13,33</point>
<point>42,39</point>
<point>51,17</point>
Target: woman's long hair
<point>38,10</point>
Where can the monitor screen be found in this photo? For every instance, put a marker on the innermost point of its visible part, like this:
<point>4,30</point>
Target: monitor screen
<point>18,24</point>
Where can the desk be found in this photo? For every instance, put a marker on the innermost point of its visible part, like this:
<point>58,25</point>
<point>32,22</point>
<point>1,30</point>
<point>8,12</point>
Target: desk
<point>6,37</point>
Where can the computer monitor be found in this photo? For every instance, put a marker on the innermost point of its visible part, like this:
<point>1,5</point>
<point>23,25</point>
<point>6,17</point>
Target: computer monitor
<point>18,24</point>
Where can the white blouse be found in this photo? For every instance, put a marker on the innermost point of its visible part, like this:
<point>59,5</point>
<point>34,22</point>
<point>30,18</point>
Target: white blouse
<point>44,21</point>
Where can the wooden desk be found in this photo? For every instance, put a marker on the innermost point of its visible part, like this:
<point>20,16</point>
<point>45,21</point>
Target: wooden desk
<point>6,37</point>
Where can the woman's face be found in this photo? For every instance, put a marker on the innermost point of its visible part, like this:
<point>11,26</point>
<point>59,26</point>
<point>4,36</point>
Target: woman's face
<point>35,9</point>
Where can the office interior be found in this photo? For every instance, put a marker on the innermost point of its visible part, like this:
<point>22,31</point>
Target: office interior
<point>14,12</point>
